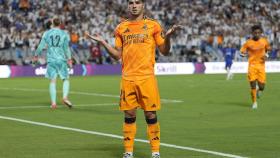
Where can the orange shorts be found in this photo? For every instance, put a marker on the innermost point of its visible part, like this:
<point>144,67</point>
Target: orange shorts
<point>140,93</point>
<point>256,72</point>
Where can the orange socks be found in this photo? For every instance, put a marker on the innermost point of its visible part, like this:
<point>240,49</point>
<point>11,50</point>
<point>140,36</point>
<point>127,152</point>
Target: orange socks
<point>129,131</point>
<point>254,95</point>
<point>153,131</point>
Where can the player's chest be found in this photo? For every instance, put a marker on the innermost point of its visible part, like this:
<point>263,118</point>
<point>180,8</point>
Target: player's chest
<point>138,33</point>
<point>256,46</point>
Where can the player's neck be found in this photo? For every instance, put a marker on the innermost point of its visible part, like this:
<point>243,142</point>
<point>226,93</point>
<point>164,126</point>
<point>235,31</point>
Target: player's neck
<point>136,17</point>
<point>56,27</point>
<point>255,39</point>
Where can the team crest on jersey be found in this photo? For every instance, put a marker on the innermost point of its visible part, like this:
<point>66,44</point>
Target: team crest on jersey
<point>145,27</point>
<point>126,31</point>
<point>162,34</point>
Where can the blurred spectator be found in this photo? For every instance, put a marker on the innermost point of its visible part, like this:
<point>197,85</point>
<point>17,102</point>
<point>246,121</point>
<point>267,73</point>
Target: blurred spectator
<point>95,53</point>
<point>208,25</point>
<point>74,38</point>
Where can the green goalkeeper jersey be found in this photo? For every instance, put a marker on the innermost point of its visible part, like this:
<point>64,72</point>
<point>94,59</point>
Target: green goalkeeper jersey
<point>57,43</point>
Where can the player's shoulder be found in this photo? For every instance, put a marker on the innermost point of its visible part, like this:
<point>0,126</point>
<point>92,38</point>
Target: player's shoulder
<point>151,21</point>
<point>65,32</point>
<point>249,40</point>
<point>264,39</point>
<point>123,23</point>
<point>47,32</point>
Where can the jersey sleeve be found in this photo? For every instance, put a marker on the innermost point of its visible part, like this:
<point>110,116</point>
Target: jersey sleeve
<point>118,39</point>
<point>41,45</point>
<point>158,34</point>
<point>243,49</point>
<point>66,47</point>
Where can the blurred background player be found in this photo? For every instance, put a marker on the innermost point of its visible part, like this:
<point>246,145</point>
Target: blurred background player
<point>135,43</point>
<point>256,48</point>
<point>229,56</point>
<point>58,60</point>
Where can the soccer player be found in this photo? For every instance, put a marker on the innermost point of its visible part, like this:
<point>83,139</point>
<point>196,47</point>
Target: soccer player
<point>135,42</point>
<point>58,60</point>
<point>229,55</point>
<point>256,48</point>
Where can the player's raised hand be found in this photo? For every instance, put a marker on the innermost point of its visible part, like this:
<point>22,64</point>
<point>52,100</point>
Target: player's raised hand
<point>94,37</point>
<point>173,29</point>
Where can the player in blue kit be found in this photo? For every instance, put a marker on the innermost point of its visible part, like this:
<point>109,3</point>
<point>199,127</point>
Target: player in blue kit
<point>56,41</point>
<point>229,55</point>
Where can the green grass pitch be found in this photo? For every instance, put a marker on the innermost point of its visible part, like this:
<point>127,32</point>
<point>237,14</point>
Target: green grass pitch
<point>206,115</point>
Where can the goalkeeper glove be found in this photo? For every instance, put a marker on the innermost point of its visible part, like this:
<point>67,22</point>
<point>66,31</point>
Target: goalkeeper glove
<point>70,63</point>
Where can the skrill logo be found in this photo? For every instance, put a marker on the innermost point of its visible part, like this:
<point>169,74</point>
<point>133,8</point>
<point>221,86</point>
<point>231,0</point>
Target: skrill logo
<point>43,71</point>
<point>169,68</point>
<point>40,71</point>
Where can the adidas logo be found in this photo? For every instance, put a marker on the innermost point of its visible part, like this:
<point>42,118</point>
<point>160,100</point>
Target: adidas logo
<point>126,31</point>
<point>145,27</point>
<point>156,138</point>
<point>126,139</point>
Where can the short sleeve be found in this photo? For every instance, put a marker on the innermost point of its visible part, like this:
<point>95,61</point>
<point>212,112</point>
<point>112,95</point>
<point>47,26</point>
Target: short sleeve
<point>158,34</point>
<point>243,49</point>
<point>118,39</point>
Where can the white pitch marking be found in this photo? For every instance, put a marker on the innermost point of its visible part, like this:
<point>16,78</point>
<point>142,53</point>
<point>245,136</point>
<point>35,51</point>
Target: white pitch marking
<point>119,137</point>
<point>84,93</point>
<point>41,106</point>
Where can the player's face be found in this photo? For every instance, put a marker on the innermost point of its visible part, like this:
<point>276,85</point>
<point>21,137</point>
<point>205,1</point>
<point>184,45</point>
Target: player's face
<point>257,34</point>
<point>135,7</point>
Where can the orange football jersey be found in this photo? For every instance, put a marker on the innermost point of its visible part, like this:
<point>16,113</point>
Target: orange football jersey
<point>256,50</point>
<point>138,41</point>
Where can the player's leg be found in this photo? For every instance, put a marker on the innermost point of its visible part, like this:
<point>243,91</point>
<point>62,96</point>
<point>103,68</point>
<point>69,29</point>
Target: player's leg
<point>52,90</point>
<point>230,72</point>
<point>153,132</point>
<point>52,74</point>
<point>128,104</point>
<point>261,82</point>
<point>64,75</point>
<point>228,69</point>
<point>252,77</point>
<point>260,89</point>
<point>254,93</point>
<point>65,90</point>
<point>150,101</point>
<point>129,132</point>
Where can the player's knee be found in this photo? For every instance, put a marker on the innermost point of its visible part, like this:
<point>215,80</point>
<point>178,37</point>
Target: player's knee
<point>151,120</point>
<point>253,85</point>
<point>130,113</point>
<point>129,120</point>
<point>150,114</point>
<point>261,88</point>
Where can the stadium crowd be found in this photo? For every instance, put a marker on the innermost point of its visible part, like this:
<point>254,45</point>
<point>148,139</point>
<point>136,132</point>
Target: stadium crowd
<point>209,26</point>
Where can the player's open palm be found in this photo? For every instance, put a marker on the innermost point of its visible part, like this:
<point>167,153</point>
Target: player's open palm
<point>173,29</point>
<point>95,37</point>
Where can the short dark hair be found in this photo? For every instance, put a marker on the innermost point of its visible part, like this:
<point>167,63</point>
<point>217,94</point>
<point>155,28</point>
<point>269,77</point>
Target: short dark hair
<point>256,27</point>
<point>56,22</point>
<point>140,0</point>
